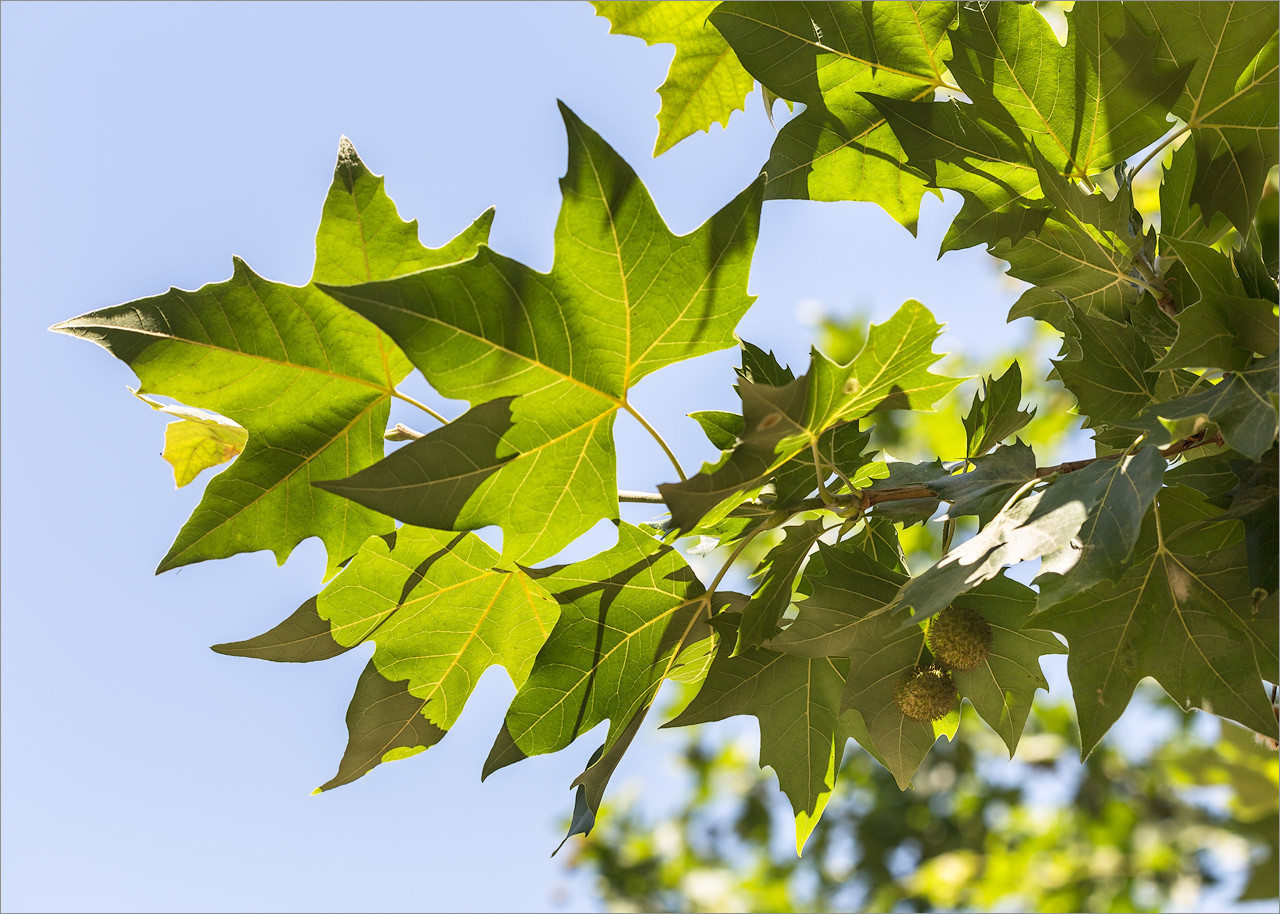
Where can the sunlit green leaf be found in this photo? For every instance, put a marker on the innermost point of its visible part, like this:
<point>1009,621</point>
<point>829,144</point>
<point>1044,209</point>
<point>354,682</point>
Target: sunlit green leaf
<point>705,84</point>
<point>826,55</point>
<point>310,381</point>
<point>547,359</point>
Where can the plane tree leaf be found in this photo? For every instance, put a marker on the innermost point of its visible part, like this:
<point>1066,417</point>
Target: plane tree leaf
<point>1039,523</point>
<point>846,615</point>
<point>1242,405</point>
<point>890,372</point>
<point>778,573</point>
<point>826,55</point>
<point>984,490</point>
<point>796,701</point>
<point>1219,324</point>
<point>310,381</point>
<point>1002,687</point>
<point>1229,100</point>
<point>1107,365</point>
<point>1083,254</point>
<point>625,615</point>
<point>439,615</point>
<point>1101,551</point>
<point>1175,615</point>
<point>1084,107</point>
<point>983,155</point>
<point>1180,216</point>
<point>705,84</point>
<point>547,359</point>
<point>994,414</point>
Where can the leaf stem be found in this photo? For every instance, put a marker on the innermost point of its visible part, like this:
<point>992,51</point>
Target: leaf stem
<point>422,406</point>
<point>656,437</point>
<point>643,498</point>
<point>1160,147</point>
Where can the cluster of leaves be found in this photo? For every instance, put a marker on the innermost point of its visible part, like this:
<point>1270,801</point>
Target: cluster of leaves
<point>1113,834</point>
<point>1148,569</point>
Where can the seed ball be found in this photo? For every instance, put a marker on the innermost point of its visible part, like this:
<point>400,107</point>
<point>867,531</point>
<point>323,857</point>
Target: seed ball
<point>925,694</point>
<point>960,637</point>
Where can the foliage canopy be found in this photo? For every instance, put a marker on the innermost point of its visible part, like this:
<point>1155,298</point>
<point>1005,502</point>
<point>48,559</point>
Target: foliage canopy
<point>1158,555</point>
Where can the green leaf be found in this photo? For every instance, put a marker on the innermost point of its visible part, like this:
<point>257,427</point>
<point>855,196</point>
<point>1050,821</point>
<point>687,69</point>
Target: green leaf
<point>1086,106</point>
<point>1242,405</point>
<point>891,372</point>
<point>1175,616</point>
<point>625,615</point>
<point>845,616</point>
<point>1102,550</point>
<point>797,703</point>
<point>198,441</point>
<point>826,55</point>
<point>384,724</point>
<point>992,481</point>
<point>1038,524</point>
<point>1219,325</point>
<point>1108,367</point>
<point>1002,687</point>
<point>721,428</point>
<point>304,637</point>
<point>1084,253</point>
<point>995,415</point>
<point>1180,215</point>
<point>705,84</point>
<point>987,161</point>
<point>310,381</point>
<point>439,615</point>
<point>547,359</point>
<point>908,511</point>
<point>778,572</point>
<point>1229,101</point>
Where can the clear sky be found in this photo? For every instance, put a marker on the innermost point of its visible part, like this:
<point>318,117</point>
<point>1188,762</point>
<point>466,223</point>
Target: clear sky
<point>142,146</point>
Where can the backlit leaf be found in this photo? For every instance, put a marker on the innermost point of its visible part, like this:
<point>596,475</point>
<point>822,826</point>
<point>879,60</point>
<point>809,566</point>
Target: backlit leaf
<point>310,381</point>
<point>705,84</point>
<point>826,55</point>
<point>547,359</point>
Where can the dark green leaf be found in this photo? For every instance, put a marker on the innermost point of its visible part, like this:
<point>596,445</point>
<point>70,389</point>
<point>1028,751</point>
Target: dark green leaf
<point>722,429</point>
<point>995,415</point>
<point>303,637</point>
<point>1242,405</point>
<point>1174,616</point>
<point>778,572</point>
<point>797,703</point>
<point>1105,543</point>
<point>1219,326</point>
<point>384,724</point>
<point>1085,251</point>
<point>992,481</point>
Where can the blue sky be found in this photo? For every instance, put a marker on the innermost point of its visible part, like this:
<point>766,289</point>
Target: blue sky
<point>142,146</point>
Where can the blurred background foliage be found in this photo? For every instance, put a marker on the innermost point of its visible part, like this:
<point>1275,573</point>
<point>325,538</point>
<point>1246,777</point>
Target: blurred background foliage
<point>1174,811</point>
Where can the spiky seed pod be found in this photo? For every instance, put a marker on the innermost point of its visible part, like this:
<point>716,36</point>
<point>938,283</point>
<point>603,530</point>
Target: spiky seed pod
<point>925,694</point>
<point>960,637</point>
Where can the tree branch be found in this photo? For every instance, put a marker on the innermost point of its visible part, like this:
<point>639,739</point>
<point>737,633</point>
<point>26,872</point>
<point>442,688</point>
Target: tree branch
<point>865,499</point>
